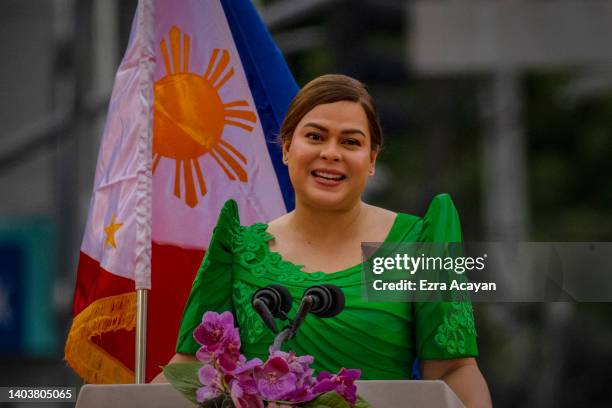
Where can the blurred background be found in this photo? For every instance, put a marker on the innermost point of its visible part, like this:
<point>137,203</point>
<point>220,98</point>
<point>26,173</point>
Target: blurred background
<point>506,105</point>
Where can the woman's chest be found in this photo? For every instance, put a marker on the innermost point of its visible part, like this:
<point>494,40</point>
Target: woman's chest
<point>330,258</point>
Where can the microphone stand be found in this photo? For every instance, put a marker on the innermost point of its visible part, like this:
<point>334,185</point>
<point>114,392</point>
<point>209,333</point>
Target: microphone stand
<point>290,330</point>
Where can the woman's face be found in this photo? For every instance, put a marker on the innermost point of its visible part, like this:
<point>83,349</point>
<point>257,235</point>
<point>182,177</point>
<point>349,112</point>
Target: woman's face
<point>330,156</point>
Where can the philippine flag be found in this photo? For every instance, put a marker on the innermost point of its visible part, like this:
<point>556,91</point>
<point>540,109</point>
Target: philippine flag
<point>197,103</point>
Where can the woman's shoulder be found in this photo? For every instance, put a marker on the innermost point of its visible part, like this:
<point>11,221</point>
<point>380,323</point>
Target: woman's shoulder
<point>229,217</point>
<point>229,224</point>
<point>230,235</point>
<point>440,221</point>
<point>440,205</point>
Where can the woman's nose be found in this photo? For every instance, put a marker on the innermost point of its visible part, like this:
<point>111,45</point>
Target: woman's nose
<point>330,152</point>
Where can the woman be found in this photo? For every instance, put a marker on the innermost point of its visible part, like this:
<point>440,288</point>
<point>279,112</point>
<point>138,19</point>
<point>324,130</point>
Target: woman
<point>331,138</point>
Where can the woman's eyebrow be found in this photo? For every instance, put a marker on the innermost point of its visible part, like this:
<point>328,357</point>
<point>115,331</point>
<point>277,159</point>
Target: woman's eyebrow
<point>344,132</point>
<point>316,126</point>
<point>353,131</point>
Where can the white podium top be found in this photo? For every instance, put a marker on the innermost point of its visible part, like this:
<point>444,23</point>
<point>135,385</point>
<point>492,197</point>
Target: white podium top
<point>383,394</point>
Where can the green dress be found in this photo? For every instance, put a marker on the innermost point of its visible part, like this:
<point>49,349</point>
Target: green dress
<point>380,338</point>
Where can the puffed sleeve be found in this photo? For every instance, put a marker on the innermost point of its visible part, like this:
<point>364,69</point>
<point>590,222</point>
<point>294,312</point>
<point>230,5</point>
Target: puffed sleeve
<point>444,330</point>
<point>212,287</point>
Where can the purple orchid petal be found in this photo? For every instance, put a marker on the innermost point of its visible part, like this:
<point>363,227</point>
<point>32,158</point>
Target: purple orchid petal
<point>208,375</point>
<point>305,379</point>
<point>305,359</point>
<point>203,355</point>
<point>350,374</point>
<point>227,319</point>
<point>230,356</point>
<point>276,365</point>
<point>302,394</point>
<point>199,334</point>
<point>324,375</point>
<point>242,399</point>
<point>214,330</point>
<point>236,390</point>
<point>246,366</point>
<point>274,380</point>
<point>243,375</point>
<point>343,383</point>
<point>248,401</point>
<point>206,393</point>
<point>272,388</point>
<point>325,385</point>
<point>247,383</point>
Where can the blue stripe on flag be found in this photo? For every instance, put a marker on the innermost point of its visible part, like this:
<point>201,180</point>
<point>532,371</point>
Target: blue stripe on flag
<point>270,80</point>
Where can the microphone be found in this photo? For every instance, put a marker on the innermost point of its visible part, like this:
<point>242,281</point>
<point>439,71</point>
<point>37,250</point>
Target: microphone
<point>325,300</point>
<point>272,301</point>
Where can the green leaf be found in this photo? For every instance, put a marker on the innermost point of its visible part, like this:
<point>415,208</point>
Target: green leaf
<point>184,377</point>
<point>328,400</point>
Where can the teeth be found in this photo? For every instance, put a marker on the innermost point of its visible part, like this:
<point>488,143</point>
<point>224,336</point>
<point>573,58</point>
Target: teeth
<point>328,175</point>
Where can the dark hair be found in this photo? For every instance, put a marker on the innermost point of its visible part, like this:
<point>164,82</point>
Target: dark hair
<point>329,89</point>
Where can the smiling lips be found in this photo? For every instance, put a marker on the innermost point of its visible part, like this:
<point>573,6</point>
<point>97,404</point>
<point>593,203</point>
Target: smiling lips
<point>328,177</point>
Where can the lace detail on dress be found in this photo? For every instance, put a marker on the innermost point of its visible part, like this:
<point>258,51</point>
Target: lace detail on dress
<point>251,325</point>
<point>458,324</point>
<point>250,247</point>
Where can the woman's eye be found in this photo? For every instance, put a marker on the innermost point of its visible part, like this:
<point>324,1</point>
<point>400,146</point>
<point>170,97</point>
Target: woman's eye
<point>352,142</point>
<point>314,136</point>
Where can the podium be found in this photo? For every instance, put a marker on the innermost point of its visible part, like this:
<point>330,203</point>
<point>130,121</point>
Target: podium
<point>380,394</point>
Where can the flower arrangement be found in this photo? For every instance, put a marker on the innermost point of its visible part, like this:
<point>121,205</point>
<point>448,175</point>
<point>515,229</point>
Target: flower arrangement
<point>225,378</point>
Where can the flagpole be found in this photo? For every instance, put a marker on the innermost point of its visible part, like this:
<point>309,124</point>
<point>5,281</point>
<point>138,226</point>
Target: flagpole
<point>146,25</point>
<point>141,335</point>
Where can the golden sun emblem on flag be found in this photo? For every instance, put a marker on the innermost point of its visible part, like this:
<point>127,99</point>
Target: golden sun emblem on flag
<point>189,117</point>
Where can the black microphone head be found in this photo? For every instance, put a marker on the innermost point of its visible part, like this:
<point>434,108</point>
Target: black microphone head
<point>276,297</point>
<point>328,300</point>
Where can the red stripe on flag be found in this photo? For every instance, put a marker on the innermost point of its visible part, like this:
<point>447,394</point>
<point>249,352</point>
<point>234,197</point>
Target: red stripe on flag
<point>95,283</point>
<point>173,271</point>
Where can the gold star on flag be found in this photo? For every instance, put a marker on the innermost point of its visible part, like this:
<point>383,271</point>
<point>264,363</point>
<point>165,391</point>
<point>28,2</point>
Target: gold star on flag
<point>110,233</point>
